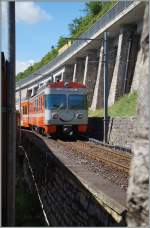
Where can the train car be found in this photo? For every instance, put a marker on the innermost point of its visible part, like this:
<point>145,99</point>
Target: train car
<point>58,107</point>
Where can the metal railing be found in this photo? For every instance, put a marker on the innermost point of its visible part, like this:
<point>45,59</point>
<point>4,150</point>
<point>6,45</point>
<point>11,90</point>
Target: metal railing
<point>103,21</point>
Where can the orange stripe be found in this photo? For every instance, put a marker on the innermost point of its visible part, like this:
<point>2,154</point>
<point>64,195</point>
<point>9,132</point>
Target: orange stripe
<point>37,121</point>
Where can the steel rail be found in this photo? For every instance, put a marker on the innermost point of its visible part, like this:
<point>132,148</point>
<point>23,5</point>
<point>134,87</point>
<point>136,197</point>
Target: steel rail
<point>117,153</point>
<point>118,165</point>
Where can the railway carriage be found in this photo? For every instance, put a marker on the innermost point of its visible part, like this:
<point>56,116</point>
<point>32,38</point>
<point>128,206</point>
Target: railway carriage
<point>58,107</point>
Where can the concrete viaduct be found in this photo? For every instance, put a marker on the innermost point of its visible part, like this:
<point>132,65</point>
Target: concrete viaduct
<point>83,60</point>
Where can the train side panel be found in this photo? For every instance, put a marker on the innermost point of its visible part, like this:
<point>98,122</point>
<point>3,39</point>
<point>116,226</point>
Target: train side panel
<point>25,114</point>
<point>36,111</point>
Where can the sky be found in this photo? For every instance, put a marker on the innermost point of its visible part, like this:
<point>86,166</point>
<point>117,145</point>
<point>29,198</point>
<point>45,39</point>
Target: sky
<point>39,26</point>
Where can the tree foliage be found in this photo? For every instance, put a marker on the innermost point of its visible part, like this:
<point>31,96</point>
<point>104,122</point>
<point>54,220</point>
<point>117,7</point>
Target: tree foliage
<point>61,42</point>
<point>75,25</point>
<point>93,8</point>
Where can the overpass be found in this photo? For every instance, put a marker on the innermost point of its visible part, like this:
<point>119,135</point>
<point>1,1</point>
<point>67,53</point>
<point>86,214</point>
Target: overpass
<point>83,61</point>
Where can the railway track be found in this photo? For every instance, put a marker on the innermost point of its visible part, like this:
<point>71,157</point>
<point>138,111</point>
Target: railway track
<point>113,158</point>
<point>112,165</point>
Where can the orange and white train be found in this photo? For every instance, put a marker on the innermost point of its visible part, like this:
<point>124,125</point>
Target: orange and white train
<point>57,107</point>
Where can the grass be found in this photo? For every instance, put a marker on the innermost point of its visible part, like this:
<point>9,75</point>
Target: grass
<point>123,107</point>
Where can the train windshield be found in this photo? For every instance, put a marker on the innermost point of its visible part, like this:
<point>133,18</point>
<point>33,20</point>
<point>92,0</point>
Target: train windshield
<point>76,102</point>
<point>55,101</point>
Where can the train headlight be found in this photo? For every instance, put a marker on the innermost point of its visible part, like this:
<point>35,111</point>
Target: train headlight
<point>55,116</point>
<point>79,115</point>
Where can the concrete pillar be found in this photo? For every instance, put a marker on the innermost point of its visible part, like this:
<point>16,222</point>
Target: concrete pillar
<point>74,72</point>
<point>136,76</point>
<point>90,73</point>
<point>112,93</point>
<point>138,190</point>
<point>85,69</point>
<point>112,53</point>
<point>98,95</point>
<point>132,61</point>
<point>99,83</point>
<point>80,66</point>
<point>58,75</point>
<point>117,84</point>
<point>23,94</point>
<point>62,76</point>
<point>68,73</point>
<point>138,60</point>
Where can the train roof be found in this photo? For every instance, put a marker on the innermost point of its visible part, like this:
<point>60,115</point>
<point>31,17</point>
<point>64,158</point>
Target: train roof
<point>62,84</point>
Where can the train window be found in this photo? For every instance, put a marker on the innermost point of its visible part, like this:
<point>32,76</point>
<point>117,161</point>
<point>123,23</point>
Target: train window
<point>77,102</point>
<point>32,106</point>
<point>24,109</point>
<point>36,105</point>
<point>55,101</point>
<point>40,103</point>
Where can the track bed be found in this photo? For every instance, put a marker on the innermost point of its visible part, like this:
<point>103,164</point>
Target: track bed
<point>102,161</point>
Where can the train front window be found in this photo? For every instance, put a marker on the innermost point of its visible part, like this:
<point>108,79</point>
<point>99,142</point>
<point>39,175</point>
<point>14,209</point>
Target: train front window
<point>76,102</point>
<point>55,101</point>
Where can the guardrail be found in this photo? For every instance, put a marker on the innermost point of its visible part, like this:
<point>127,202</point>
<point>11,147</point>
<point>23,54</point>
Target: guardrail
<point>110,15</point>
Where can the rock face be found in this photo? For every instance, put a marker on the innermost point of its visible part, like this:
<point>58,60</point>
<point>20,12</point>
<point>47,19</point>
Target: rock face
<point>139,180</point>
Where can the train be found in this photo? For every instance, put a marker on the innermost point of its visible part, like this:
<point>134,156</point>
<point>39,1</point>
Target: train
<point>57,108</point>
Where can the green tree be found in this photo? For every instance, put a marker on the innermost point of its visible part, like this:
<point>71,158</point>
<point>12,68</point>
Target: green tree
<point>93,8</point>
<point>75,25</point>
<point>61,42</point>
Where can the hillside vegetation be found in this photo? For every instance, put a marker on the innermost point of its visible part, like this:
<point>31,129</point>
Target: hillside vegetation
<point>124,107</point>
<point>94,10</point>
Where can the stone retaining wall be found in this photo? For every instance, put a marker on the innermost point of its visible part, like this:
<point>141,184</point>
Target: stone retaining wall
<point>65,200</point>
<point>120,130</point>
